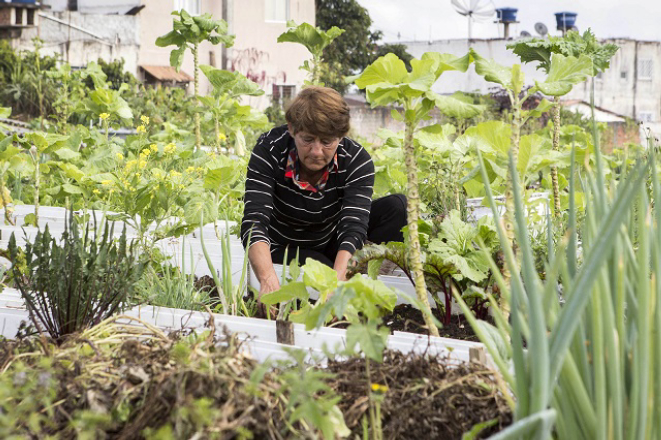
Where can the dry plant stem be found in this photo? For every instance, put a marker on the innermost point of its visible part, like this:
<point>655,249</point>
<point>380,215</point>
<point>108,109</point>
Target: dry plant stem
<point>5,203</point>
<point>196,81</point>
<point>37,185</point>
<point>556,147</point>
<point>412,209</point>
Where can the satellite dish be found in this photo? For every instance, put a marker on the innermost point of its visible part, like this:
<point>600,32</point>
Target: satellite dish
<point>541,29</point>
<point>526,34</point>
<point>478,10</point>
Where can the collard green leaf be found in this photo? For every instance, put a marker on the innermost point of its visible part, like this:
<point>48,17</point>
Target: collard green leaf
<point>319,276</point>
<point>492,71</point>
<point>492,136</point>
<point>5,112</point>
<point>565,72</point>
<point>455,108</point>
<point>314,39</point>
<point>387,70</point>
<point>67,154</point>
<point>444,62</point>
<point>288,292</point>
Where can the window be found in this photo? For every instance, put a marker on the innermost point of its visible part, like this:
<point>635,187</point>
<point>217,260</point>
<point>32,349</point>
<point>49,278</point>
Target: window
<point>600,76</point>
<point>276,10</point>
<point>623,74</point>
<point>191,6</point>
<point>283,93</point>
<point>645,69</point>
<point>646,117</point>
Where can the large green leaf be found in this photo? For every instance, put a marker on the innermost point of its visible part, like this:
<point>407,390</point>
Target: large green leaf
<point>387,70</point>
<point>371,339</point>
<point>319,276</point>
<point>491,137</point>
<point>288,292</point>
<point>233,83</point>
<point>455,108</point>
<point>372,296</point>
<point>67,154</point>
<point>5,112</point>
<point>492,71</point>
<point>565,72</point>
<point>436,137</point>
<point>172,38</point>
<point>314,39</point>
<point>446,62</point>
<point>421,77</point>
<point>222,177</point>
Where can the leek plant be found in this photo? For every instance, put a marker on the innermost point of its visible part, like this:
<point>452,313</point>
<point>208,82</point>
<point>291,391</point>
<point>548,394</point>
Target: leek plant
<point>231,295</point>
<point>591,368</point>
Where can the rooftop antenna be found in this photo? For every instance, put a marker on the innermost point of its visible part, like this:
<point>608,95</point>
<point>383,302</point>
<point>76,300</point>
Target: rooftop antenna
<point>474,10</point>
<point>541,29</point>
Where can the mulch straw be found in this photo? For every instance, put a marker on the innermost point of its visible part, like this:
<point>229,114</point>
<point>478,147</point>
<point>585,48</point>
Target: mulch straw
<point>141,379</point>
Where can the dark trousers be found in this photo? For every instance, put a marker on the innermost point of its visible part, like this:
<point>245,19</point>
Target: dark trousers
<point>387,218</point>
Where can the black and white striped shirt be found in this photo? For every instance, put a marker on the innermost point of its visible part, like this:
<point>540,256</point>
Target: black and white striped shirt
<point>280,213</point>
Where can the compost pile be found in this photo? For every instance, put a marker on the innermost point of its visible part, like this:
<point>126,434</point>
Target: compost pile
<point>426,397</point>
<point>123,381</point>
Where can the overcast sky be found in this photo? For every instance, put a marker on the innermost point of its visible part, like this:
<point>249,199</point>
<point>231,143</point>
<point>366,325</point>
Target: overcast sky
<point>422,19</point>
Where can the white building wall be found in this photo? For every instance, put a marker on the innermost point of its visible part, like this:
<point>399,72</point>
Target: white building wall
<point>110,37</point>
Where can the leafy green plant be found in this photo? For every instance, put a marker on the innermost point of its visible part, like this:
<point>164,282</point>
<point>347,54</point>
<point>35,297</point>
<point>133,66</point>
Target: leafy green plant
<point>315,41</point>
<point>543,51</point>
<point>71,286</point>
<point>310,399</point>
<point>452,258</point>
<point>387,82</point>
<point>187,33</point>
<point>224,107</point>
<point>170,287</point>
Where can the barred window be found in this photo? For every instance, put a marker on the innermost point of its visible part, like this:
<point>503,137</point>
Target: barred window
<point>645,69</point>
<point>276,10</point>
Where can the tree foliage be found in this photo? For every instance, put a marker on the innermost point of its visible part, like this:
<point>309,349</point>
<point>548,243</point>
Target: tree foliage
<point>357,48</point>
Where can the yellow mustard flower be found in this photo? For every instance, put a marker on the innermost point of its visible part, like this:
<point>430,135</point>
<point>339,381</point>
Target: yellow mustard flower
<point>146,152</point>
<point>378,388</point>
<point>170,148</point>
<point>190,169</point>
<point>141,129</point>
<point>222,137</point>
<point>120,157</point>
<point>153,148</point>
<point>131,163</point>
<point>96,191</point>
<point>199,169</point>
<point>174,173</point>
<point>104,116</point>
<point>144,119</point>
<point>142,163</point>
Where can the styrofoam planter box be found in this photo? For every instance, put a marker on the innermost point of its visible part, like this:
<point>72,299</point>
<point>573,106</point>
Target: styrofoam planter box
<point>476,210</point>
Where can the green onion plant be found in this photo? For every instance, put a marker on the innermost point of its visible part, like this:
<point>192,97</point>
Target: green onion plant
<point>582,351</point>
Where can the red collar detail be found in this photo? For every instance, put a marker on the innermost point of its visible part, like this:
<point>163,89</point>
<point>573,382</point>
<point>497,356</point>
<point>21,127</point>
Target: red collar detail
<point>292,172</point>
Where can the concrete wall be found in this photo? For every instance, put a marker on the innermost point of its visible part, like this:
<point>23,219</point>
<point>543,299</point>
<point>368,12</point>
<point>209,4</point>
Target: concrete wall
<point>255,53</point>
<point>119,37</point>
<point>629,96</point>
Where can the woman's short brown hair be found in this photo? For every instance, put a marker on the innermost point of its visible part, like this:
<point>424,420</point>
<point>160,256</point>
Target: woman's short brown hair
<point>320,111</point>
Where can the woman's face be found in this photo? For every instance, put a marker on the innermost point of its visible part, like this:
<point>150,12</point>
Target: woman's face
<point>314,153</point>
